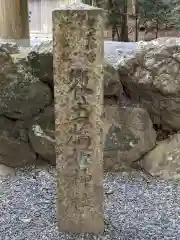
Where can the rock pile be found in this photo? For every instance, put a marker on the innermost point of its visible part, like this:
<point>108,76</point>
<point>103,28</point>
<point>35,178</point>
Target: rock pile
<point>142,100</point>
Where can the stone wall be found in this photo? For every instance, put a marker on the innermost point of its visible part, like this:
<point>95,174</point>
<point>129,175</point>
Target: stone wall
<point>140,113</point>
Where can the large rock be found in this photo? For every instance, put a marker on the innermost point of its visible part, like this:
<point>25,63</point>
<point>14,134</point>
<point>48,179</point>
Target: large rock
<point>6,171</point>
<point>14,147</point>
<point>152,77</point>
<point>9,47</point>
<point>128,135</point>
<point>21,59</point>
<point>112,83</point>
<point>115,52</point>
<point>164,160</point>
<point>40,59</point>
<point>22,95</point>
<point>41,135</point>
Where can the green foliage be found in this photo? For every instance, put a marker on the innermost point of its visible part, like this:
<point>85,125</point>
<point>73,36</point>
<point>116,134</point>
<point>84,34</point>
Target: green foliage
<point>161,11</point>
<point>175,13</point>
<point>88,2</point>
<point>116,16</point>
<point>114,8</point>
<point>157,10</point>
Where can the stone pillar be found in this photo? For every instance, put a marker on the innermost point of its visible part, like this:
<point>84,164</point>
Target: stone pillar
<point>78,88</point>
<point>14,22</point>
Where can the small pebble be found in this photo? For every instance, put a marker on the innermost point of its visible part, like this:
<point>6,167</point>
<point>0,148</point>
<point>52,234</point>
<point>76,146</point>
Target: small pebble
<point>135,210</point>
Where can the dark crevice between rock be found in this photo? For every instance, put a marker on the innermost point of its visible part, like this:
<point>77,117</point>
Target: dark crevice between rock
<point>35,65</point>
<point>9,118</point>
<point>138,164</point>
<point>51,86</point>
<point>163,134</point>
<point>111,98</point>
<point>42,160</point>
<point>126,93</point>
<point>31,147</point>
<point>41,110</point>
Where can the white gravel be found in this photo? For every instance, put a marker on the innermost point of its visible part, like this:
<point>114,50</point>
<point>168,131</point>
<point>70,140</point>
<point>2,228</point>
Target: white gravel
<point>116,53</point>
<point>133,209</point>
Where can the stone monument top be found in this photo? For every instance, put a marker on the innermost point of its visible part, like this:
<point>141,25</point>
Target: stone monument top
<point>74,5</point>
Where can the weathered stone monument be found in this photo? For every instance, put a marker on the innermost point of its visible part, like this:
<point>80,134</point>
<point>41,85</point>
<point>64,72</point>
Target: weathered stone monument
<point>78,85</point>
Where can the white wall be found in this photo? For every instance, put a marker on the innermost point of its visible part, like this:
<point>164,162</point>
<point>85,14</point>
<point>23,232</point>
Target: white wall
<point>41,15</point>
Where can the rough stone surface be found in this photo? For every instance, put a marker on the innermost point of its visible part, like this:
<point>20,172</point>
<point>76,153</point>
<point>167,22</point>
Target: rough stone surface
<point>21,59</point>
<point>14,147</point>
<point>6,171</point>
<point>41,135</point>
<point>152,77</point>
<point>78,90</point>
<point>10,48</point>
<point>21,95</point>
<point>164,160</point>
<point>128,135</point>
<point>6,62</point>
<point>40,59</point>
<point>112,83</point>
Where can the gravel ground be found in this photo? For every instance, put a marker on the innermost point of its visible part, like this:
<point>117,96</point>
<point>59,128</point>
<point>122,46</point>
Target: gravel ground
<point>134,209</point>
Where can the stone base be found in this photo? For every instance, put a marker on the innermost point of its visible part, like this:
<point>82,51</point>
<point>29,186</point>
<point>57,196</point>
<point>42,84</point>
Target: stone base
<point>19,42</point>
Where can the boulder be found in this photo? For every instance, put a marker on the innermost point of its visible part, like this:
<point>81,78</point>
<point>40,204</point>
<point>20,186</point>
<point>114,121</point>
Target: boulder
<point>112,83</point>
<point>115,52</point>
<point>9,47</point>
<point>6,62</point>
<point>164,160</point>
<point>152,77</point>
<point>41,135</point>
<point>22,95</point>
<point>128,135</point>
<point>40,59</point>
<point>6,171</point>
<point>14,147</point>
<point>21,59</point>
